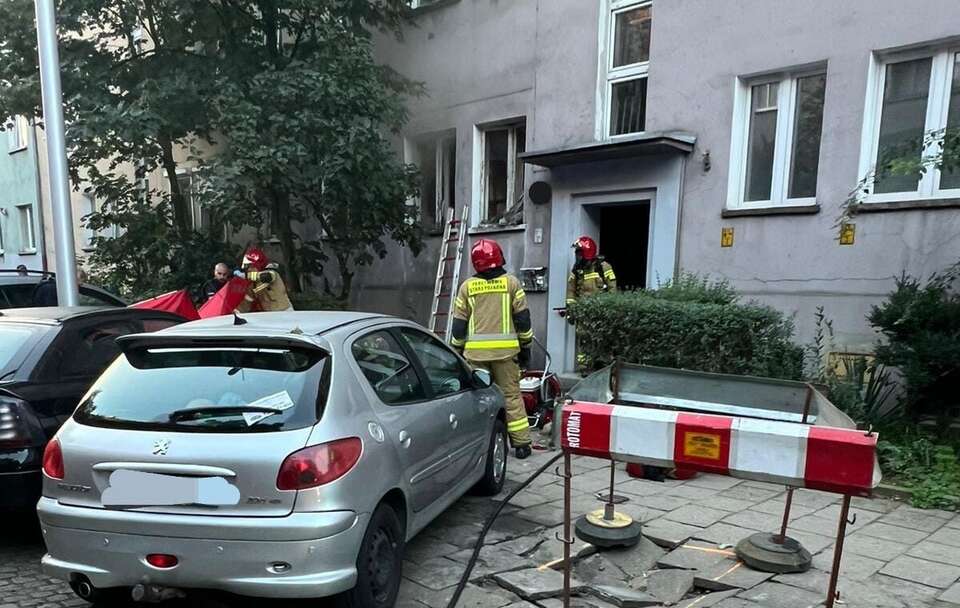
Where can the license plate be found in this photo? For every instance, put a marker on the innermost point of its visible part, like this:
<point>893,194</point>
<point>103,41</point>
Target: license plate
<point>140,489</point>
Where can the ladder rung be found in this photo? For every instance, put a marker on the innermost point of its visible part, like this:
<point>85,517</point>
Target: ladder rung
<point>443,295</point>
<point>442,314</point>
<point>447,259</point>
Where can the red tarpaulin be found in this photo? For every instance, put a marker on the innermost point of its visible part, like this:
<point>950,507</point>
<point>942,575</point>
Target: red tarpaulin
<point>177,302</point>
<point>226,300</point>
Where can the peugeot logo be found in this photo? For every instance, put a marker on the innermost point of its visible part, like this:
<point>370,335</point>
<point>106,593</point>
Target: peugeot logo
<point>160,447</point>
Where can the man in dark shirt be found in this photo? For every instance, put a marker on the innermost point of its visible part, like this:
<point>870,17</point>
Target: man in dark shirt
<point>221,274</point>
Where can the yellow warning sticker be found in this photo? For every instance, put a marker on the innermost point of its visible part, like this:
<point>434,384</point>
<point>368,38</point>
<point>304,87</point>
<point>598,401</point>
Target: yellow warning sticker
<point>701,445</point>
<point>726,237</point>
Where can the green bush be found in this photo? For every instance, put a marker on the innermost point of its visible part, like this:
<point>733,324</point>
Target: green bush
<point>930,470</point>
<point>691,287</point>
<point>921,324</point>
<point>678,329</point>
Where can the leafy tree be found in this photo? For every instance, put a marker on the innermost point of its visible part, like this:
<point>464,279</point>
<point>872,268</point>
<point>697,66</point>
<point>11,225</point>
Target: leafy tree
<point>240,81</point>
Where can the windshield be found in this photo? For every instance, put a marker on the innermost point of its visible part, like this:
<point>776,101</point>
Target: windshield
<point>208,390</point>
<point>13,341</point>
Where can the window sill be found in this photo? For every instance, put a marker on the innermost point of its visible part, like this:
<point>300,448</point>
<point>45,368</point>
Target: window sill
<point>937,203</point>
<point>495,229</point>
<point>764,211</point>
<point>426,8</point>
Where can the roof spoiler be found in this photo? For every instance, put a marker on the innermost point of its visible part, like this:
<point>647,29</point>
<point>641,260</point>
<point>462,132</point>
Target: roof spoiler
<point>137,342</point>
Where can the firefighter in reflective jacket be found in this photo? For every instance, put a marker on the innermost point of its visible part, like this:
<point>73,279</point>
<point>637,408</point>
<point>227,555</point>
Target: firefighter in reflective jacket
<point>267,291</point>
<point>590,274</point>
<point>491,326</point>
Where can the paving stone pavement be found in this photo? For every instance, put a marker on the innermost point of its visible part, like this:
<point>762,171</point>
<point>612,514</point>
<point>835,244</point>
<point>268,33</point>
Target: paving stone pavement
<point>895,556</point>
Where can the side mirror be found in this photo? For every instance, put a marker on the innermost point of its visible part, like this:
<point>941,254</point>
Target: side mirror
<point>482,378</point>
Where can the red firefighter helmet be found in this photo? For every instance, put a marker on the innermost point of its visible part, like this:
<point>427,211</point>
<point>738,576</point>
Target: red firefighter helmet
<point>486,254</point>
<point>587,247</point>
<point>255,258</point>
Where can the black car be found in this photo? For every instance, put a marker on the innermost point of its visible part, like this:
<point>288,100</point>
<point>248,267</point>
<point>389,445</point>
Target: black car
<point>19,291</point>
<point>49,357</point>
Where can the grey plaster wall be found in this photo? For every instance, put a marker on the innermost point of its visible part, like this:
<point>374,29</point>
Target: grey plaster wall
<point>795,262</point>
<point>491,60</point>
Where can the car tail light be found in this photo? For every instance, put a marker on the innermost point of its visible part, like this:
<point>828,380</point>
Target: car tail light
<point>19,428</point>
<point>319,464</point>
<point>162,560</point>
<point>53,460</point>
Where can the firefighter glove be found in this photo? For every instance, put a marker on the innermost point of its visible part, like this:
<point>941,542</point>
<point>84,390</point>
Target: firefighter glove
<point>523,359</point>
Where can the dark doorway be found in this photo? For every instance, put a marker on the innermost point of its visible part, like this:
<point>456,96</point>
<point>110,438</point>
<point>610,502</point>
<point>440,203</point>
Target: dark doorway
<point>624,237</point>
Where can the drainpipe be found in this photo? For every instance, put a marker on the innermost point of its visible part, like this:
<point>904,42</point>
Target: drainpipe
<point>39,214</point>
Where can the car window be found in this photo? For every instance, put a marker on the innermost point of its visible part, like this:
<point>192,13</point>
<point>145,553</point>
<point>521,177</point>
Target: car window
<point>444,371</point>
<point>90,297</point>
<point>14,341</point>
<point>387,368</point>
<point>89,349</point>
<point>217,389</point>
<point>19,295</point>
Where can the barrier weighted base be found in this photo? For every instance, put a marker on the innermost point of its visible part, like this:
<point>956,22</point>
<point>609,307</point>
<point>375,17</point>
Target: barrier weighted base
<point>619,531</point>
<point>763,552</point>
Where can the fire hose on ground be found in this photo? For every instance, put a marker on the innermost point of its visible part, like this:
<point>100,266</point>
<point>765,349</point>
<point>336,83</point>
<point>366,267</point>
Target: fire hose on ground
<point>486,528</point>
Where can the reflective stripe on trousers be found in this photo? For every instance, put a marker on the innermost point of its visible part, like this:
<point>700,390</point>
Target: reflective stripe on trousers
<point>506,375</point>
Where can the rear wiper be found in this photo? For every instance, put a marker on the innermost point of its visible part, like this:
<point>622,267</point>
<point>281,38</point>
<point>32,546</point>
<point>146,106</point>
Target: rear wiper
<point>188,413</point>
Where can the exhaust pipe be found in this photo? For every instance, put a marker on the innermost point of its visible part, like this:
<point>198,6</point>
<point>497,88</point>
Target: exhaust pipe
<point>154,594</point>
<point>84,589</point>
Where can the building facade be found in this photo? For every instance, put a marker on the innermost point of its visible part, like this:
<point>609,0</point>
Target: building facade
<point>722,138</point>
<point>21,219</point>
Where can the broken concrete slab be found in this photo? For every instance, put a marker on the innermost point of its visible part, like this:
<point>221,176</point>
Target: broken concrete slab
<point>577,602</point>
<point>669,586</point>
<point>730,574</point>
<point>599,570</point>
<point>535,584</point>
<point>492,560</point>
<point>637,560</point>
<point>669,533</point>
<point>623,597</point>
<point>438,573</point>
<point>695,555</point>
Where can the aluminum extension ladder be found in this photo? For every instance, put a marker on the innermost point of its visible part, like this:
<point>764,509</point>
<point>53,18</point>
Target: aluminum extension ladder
<point>448,273</point>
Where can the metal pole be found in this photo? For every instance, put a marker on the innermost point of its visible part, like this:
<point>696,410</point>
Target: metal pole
<point>782,538</point>
<point>567,541</point>
<point>65,254</point>
<point>838,551</point>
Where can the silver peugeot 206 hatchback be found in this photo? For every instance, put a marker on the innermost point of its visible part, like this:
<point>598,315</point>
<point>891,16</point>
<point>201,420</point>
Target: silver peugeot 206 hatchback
<point>285,455</point>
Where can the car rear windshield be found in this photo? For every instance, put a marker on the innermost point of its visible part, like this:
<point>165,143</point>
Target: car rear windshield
<point>235,389</point>
<point>14,341</point>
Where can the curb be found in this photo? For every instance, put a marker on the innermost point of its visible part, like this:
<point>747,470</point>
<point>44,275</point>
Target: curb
<point>894,492</point>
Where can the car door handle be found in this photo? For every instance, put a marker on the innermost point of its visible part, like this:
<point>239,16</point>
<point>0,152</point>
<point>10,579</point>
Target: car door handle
<point>405,439</point>
<point>453,421</point>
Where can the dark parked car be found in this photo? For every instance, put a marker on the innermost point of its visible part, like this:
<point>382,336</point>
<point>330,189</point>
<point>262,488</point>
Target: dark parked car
<point>17,291</point>
<point>49,357</point>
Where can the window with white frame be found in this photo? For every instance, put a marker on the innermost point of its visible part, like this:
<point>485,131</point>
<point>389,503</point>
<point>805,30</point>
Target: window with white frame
<point>913,102</point>
<point>28,236</point>
<point>437,158</point>
<point>624,63</point>
<point>501,178</point>
<point>775,145</point>
<point>16,128</point>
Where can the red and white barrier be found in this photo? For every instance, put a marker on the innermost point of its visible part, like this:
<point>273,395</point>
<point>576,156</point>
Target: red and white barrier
<point>799,455</point>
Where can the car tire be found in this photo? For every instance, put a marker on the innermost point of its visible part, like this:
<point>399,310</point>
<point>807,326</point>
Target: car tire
<point>379,563</point>
<point>495,472</point>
